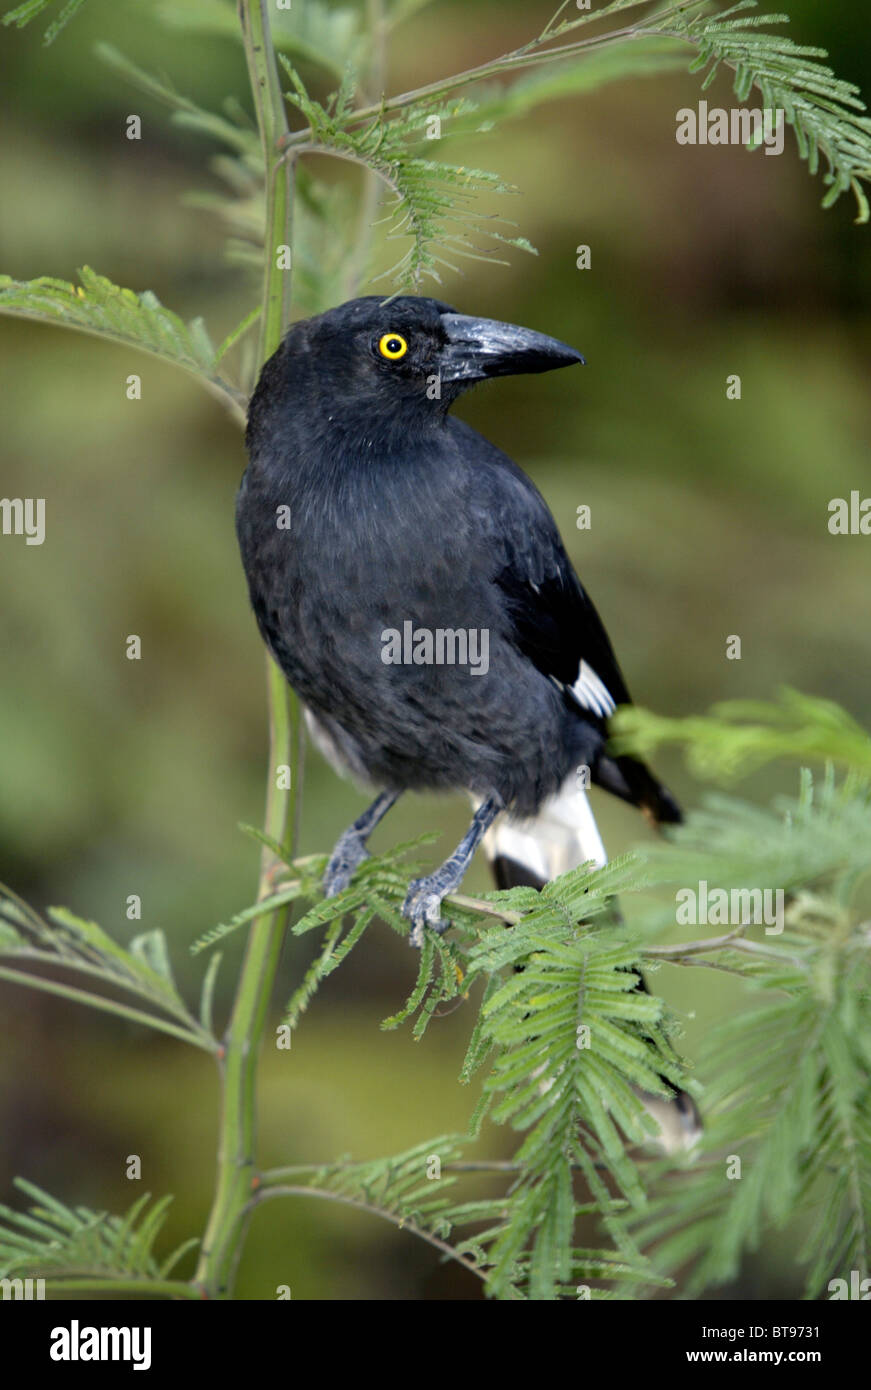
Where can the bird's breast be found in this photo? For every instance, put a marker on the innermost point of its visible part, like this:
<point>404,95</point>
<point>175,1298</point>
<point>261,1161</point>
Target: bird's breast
<point>342,554</point>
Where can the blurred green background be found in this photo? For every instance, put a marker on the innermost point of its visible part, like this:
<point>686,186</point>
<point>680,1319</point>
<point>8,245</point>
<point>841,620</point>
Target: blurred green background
<point>709,518</point>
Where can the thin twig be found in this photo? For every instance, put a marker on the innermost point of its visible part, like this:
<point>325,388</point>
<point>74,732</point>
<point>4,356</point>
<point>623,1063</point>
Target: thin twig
<point>110,1006</point>
<point>526,56</point>
<point>734,941</point>
<point>694,948</point>
<point>488,909</point>
<point>401,1222</point>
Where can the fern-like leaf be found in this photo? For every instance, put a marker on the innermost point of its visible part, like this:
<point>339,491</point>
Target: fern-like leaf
<point>825,112</point>
<point>61,1244</point>
<point>23,14</point>
<point>69,946</point>
<point>99,307</point>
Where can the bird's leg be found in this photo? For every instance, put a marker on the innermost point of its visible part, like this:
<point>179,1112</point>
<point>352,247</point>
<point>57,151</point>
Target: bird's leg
<point>350,850</point>
<point>423,901</point>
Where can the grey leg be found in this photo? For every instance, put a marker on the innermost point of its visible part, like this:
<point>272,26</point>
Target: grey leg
<point>423,902</point>
<point>350,850</point>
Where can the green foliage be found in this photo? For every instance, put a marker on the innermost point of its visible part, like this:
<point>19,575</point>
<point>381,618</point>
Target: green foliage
<point>23,14</point>
<point>494,103</point>
<point>432,203</point>
<point>789,1093</point>
<point>786,1085</point>
<point>567,1099</point>
<point>824,111</point>
<point>68,1245</point>
<point>98,307</point>
<point>397,1186</point>
<point>790,1098</point>
<point>574,1098</point>
<point>71,946</point>
<point>413,1190</point>
<point>569,1047</point>
<point>785,1081</point>
<point>741,735</point>
<point>329,36</point>
<point>433,200</point>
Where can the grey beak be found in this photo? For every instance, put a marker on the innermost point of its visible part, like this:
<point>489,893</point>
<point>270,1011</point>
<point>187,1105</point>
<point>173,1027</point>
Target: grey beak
<point>480,348</point>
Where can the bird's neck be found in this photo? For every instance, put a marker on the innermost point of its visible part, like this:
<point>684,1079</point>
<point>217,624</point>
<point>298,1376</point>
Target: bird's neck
<point>328,441</point>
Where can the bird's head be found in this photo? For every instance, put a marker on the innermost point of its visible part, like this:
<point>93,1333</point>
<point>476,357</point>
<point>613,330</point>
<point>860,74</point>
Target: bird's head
<point>383,357</point>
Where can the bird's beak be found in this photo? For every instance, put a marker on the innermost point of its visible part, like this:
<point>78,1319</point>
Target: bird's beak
<point>479,348</point>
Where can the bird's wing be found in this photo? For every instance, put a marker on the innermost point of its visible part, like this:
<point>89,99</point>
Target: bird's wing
<point>556,626</point>
<point>554,622</point>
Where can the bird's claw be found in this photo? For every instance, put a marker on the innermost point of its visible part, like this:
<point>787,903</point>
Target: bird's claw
<point>346,858</point>
<point>422,908</point>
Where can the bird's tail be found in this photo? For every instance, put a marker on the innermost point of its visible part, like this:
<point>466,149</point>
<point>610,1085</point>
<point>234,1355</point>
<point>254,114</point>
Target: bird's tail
<point>563,836</point>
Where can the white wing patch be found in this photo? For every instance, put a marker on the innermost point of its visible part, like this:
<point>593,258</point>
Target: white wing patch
<point>592,693</point>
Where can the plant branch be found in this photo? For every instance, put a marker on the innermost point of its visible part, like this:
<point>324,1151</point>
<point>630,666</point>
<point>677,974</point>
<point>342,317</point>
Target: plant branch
<point>272,124</point>
<point>504,914</point>
<point>158,1288</point>
<point>277,1177</point>
<point>395,1218</point>
<point>529,55</point>
<point>733,941</point>
<point>222,1238</point>
<point>175,1008</point>
<point>111,1006</point>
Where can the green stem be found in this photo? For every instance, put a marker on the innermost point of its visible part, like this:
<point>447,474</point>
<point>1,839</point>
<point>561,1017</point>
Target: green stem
<point>272,123</point>
<point>734,941</point>
<point>244,1036</point>
<point>395,1218</point>
<point>278,1177</point>
<point>158,1288</point>
<point>110,1006</point>
<point>175,1007</point>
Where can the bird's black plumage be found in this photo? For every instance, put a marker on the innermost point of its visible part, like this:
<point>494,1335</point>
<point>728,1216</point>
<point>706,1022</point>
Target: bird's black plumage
<point>401,517</point>
<point>400,513</point>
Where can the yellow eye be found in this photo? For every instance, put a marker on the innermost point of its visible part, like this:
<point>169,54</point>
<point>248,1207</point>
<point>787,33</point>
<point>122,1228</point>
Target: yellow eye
<point>392,346</point>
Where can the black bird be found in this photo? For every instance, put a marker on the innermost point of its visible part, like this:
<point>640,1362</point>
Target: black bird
<point>420,600</point>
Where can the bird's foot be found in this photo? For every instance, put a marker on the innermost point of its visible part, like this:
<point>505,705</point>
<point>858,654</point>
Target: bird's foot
<point>346,858</point>
<point>423,905</point>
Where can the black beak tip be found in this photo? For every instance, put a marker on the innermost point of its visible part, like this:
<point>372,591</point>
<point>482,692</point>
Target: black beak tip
<point>480,348</point>
<point>561,355</point>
